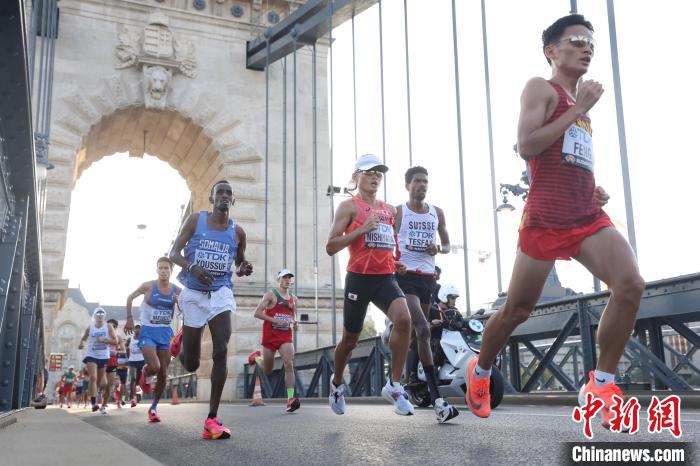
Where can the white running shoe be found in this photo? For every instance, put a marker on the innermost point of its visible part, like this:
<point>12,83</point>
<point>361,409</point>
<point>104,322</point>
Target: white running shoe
<point>395,395</point>
<point>103,410</point>
<point>444,411</point>
<point>337,397</point>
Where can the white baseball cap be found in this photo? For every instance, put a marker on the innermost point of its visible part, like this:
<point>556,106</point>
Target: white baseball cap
<point>284,273</point>
<point>99,310</point>
<point>370,162</point>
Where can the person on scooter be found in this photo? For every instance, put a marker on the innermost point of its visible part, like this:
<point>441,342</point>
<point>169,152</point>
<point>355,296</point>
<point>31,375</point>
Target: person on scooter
<point>445,310</point>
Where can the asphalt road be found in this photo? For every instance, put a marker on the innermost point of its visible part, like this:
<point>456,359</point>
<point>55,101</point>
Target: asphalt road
<point>366,434</point>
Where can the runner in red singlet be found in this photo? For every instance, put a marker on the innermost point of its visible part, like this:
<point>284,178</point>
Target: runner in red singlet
<point>563,218</point>
<point>364,225</point>
<point>277,310</point>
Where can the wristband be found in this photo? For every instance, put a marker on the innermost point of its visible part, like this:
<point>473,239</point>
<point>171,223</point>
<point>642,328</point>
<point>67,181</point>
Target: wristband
<point>189,268</point>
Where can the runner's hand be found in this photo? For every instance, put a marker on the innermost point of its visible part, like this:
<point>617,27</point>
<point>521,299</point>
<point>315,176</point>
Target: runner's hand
<point>129,326</point>
<point>245,268</point>
<point>432,249</point>
<point>372,223</point>
<point>588,94</point>
<point>81,345</point>
<point>281,323</point>
<point>202,275</point>
<point>601,196</point>
<point>400,267</point>
<point>295,325</point>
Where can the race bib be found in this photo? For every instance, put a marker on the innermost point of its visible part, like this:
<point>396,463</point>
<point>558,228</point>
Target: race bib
<point>577,149</point>
<point>381,237</point>
<point>285,318</point>
<point>419,238</point>
<point>216,263</point>
<point>161,316</point>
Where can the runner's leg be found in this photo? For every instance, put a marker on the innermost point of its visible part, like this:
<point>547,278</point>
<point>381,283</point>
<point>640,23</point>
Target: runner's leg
<point>191,347</point>
<point>400,336</point>
<point>287,353</point>
<point>220,328</point>
<point>608,256</point>
<point>420,324</point>
<point>268,361</point>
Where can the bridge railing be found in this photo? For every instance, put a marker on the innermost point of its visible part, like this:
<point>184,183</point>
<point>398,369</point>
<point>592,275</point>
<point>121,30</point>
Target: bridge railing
<point>548,352</point>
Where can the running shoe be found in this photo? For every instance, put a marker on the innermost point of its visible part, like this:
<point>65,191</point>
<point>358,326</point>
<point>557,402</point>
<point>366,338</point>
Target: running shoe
<point>176,344</point>
<point>153,416</point>
<point>337,397</point>
<point>103,410</point>
<point>444,411</point>
<point>145,381</point>
<point>133,402</point>
<point>95,408</point>
<point>396,396</point>
<point>293,404</point>
<point>605,394</point>
<point>477,396</point>
<point>214,429</point>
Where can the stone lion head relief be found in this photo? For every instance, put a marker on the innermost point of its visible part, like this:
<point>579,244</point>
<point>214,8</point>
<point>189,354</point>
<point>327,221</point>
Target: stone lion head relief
<point>156,80</point>
<point>159,54</point>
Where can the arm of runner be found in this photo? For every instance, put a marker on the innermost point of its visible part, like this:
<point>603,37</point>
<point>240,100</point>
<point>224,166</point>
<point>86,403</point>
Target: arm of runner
<point>268,301</point>
<point>113,338</point>
<point>442,232</point>
<point>244,267</point>
<point>84,339</point>
<point>128,348</point>
<point>296,322</point>
<point>344,215</point>
<point>141,290</point>
<point>537,102</point>
<point>175,255</point>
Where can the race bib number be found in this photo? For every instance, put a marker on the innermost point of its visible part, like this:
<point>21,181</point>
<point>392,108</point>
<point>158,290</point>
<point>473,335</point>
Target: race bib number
<point>577,149</point>
<point>285,318</point>
<point>419,239</point>
<point>216,263</point>
<point>99,346</point>
<point>381,237</point>
<point>161,316</point>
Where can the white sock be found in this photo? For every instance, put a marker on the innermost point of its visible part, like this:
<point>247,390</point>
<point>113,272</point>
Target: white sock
<point>603,378</point>
<point>480,372</point>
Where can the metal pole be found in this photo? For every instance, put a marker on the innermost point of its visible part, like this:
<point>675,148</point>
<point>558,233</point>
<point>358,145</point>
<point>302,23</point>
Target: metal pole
<point>574,7</point>
<point>41,79</point>
<point>354,86</point>
<point>296,180</point>
<point>487,81</point>
<point>284,163</point>
<point>51,65</point>
<point>461,161</point>
<point>268,34</point>
<point>330,122</point>
<point>381,80</point>
<point>314,136</point>
<point>408,84</point>
<point>621,128</point>
<point>32,43</point>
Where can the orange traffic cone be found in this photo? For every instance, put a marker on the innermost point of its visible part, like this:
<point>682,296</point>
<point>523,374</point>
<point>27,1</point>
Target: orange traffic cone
<point>257,393</point>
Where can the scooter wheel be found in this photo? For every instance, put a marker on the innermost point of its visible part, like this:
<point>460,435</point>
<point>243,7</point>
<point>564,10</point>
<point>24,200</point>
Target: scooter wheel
<point>420,399</point>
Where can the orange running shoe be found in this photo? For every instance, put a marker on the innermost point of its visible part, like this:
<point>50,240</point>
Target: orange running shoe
<point>214,429</point>
<point>477,396</point>
<point>605,394</point>
<point>176,344</point>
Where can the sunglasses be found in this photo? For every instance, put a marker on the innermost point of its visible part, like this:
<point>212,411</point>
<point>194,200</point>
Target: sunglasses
<point>580,41</point>
<point>100,314</point>
<point>376,173</point>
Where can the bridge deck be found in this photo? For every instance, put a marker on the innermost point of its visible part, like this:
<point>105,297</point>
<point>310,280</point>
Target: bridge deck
<point>366,434</point>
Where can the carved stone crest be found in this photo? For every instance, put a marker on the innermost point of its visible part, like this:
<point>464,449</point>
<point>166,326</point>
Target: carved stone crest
<point>159,54</point>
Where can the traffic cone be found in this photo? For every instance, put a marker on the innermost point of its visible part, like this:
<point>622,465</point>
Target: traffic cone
<point>257,393</point>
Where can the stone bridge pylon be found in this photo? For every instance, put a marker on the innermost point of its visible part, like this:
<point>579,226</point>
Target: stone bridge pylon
<point>171,82</point>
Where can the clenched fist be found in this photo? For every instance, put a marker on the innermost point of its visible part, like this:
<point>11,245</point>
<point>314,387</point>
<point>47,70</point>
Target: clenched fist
<point>588,94</point>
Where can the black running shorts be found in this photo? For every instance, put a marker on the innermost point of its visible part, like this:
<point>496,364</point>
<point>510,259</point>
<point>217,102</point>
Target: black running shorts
<point>362,289</point>
<point>417,284</point>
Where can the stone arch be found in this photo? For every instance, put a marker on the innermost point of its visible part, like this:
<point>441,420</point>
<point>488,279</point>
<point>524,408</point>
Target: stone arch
<point>195,134</point>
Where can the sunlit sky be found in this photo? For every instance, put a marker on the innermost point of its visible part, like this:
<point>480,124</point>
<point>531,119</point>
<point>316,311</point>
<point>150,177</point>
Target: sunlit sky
<point>659,89</point>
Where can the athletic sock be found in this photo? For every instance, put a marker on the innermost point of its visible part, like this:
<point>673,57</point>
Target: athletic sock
<point>93,400</point>
<point>258,360</point>
<point>431,379</point>
<point>154,405</point>
<point>480,372</point>
<point>290,393</point>
<point>603,378</point>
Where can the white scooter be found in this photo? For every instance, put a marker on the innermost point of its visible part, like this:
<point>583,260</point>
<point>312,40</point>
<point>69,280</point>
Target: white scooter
<point>461,339</point>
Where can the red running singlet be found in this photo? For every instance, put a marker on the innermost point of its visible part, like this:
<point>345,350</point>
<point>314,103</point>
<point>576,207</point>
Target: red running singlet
<point>561,177</point>
<point>373,252</point>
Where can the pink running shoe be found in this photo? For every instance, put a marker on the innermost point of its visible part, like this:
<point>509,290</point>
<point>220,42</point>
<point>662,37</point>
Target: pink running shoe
<point>214,429</point>
<point>153,416</point>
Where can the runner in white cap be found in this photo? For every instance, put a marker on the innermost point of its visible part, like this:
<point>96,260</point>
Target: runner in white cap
<point>277,310</point>
<point>97,336</point>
